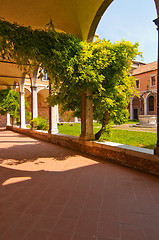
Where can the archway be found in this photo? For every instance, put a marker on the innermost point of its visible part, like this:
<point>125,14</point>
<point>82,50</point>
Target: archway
<point>136,107</point>
<point>151,104</point>
<point>43,108</point>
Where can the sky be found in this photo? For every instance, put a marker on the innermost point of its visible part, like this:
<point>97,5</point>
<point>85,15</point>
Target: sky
<point>131,20</point>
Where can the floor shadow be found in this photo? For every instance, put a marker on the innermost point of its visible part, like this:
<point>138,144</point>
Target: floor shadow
<point>18,149</point>
<point>30,152</point>
<point>76,204</point>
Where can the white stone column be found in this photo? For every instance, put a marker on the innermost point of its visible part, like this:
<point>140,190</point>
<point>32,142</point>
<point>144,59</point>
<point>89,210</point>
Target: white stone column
<point>53,116</point>
<point>57,109</point>
<point>131,109</point>
<point>34,99</point>
<point>76,120</point>
<point>53,120</point>
<point>22,105</point>
<point>145,106</point>
<point>14,120</point>
<point>8,119</point>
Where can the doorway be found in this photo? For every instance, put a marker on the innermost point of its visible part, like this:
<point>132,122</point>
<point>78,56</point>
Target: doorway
<point>136,114</point>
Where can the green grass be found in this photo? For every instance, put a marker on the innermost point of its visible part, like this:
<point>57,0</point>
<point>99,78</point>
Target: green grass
<point>133,138</point>
<point>74,130</point>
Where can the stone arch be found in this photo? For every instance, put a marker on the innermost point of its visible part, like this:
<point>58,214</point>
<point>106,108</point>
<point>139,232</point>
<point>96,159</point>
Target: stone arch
<point>97,18</point>
<point>136,107</point>
<point>27,95</point>
<point>27,88</point>
<point>141,105</point>
<point>151,104</point>
<point>43,108</point>
<point>103,7</point>
<point>3,118</point>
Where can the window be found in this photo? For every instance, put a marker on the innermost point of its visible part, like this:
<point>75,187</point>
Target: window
<point>44,78</point>
<point>137,83</point>
<point>153,81</point>
<point>151,103</point>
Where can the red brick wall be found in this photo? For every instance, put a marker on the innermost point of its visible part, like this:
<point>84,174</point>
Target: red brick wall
<point>43,112</point>
<point>145,162</point>
<point>3,120</point>
<point>145,85</point>
<point>145,80</point>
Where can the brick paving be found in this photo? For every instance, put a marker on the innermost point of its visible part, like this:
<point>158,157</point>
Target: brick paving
<point>48,192</point>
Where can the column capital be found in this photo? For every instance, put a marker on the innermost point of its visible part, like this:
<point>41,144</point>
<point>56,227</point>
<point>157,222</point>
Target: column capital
<point>33,88</point>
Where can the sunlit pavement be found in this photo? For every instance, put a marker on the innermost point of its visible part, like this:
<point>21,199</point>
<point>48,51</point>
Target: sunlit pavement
<point>54,193</point>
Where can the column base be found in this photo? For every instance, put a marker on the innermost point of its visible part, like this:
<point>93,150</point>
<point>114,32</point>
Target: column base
<point>53,131</point>
<point>33,128</point>
<point>89,137</point>
<point>156,151</point>
<point>23,126</point>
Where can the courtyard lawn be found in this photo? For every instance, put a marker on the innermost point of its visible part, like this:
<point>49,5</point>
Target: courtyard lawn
<point>133,138</point>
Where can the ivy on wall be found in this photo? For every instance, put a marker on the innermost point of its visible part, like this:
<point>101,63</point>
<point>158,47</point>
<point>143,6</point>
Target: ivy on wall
<point>74,66</point>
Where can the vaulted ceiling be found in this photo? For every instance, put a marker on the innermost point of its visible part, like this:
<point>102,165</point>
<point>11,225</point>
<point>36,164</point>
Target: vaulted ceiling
<point>79,17</point>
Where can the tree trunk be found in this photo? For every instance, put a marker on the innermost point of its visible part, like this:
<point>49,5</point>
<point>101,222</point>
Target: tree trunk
<point>105,121</point>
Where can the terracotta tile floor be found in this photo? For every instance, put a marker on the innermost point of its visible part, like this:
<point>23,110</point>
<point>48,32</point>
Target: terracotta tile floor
<point>53,193</point>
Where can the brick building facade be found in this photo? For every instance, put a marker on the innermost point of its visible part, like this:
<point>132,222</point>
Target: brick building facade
<point>146,82</point>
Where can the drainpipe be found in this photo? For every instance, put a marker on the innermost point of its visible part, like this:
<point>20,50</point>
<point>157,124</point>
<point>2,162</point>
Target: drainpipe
<point>156,150</point>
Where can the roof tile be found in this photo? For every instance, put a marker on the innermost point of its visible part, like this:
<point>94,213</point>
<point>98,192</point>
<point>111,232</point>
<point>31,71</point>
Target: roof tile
<point>145,68</point>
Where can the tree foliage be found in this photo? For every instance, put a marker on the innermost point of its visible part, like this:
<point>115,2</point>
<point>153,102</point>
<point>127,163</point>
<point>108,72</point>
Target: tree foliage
<point>102,68</point>
<point>29,47</point>
<point>40,123</point>
<point>74,66</point>
<point>9,102</point>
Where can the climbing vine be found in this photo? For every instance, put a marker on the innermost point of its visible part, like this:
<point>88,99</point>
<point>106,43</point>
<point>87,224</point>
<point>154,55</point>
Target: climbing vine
<point>29,47</point>
<point>73,66</point>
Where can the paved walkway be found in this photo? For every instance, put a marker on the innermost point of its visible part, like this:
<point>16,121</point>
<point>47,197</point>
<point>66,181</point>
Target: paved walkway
<point>48,192</point>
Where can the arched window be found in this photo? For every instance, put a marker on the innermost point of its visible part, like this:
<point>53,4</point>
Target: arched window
<point>151,103</point>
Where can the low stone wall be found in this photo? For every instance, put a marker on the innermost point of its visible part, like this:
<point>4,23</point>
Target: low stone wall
<point>133,157</point>
<point>3,120</point>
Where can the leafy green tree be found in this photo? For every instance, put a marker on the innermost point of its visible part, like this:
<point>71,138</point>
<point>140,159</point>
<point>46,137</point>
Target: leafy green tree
<point>10,103</point>
<point>101,68</point>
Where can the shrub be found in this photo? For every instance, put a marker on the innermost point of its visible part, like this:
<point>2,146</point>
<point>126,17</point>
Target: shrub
<point>40,123</point>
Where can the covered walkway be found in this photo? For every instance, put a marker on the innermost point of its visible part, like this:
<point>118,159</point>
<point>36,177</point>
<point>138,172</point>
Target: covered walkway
<point>54,193</point>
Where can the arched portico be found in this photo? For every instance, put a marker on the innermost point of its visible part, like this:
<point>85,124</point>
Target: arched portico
<point>43,108</point>
<point>79,17</point>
